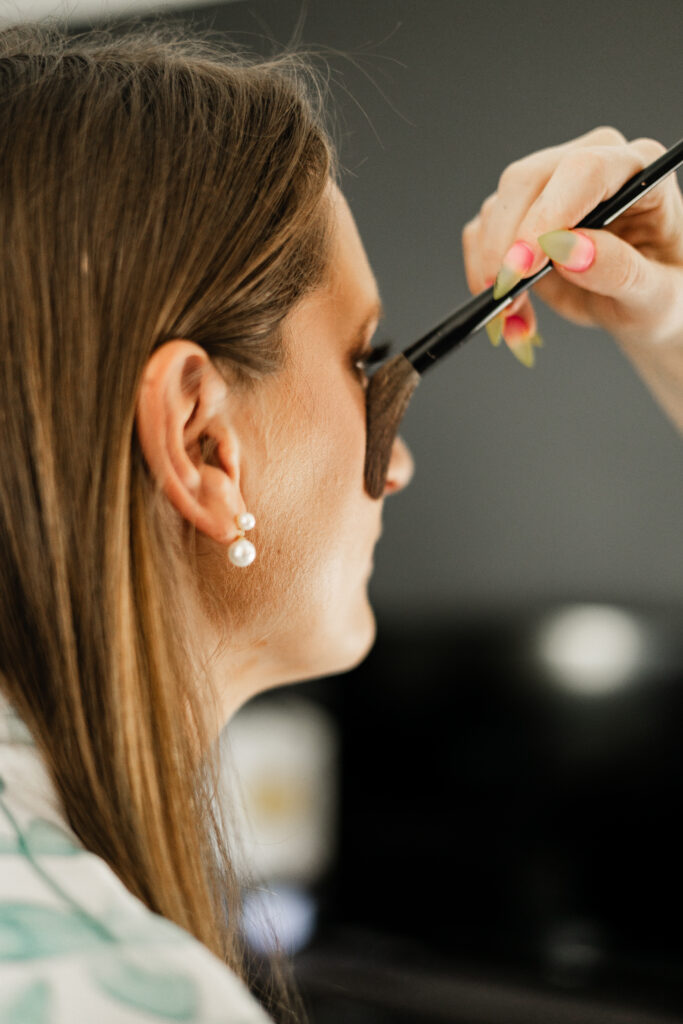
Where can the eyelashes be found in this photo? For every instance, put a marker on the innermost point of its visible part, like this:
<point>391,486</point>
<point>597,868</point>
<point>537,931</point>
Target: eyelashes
<point>362,360</point>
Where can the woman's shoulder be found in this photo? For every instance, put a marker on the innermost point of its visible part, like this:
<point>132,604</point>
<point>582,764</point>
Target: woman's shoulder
<point>76,946</point>
<point>127,983</point>
<point>75,950</point>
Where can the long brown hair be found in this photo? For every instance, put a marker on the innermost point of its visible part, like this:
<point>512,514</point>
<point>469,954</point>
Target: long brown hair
<point>153,185</point>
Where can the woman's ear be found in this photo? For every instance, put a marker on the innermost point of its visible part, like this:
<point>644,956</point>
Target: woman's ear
<point>181,399</point>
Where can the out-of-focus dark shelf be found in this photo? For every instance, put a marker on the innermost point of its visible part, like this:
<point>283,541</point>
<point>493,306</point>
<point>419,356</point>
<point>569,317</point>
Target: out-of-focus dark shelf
<point>506,825</point>
<point>345,980</point>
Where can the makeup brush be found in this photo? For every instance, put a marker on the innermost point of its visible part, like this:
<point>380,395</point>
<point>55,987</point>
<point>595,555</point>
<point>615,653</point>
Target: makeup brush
<point>391,386</point>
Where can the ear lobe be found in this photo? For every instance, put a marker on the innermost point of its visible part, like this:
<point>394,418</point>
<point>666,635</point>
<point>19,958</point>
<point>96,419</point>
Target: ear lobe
<point>182,397</point>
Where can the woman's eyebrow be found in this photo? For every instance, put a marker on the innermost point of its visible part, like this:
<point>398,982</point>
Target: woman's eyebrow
<point>376,312</point>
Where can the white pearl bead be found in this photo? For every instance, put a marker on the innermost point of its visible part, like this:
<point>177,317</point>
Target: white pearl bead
<point>241,552</point>
<point>245,521</point>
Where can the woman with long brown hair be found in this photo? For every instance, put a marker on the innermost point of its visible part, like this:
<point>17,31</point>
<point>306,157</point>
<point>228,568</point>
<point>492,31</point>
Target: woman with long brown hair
<point>186,310</point>
<point>171,407</point>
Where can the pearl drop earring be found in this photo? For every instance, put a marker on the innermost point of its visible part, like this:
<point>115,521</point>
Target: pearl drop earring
<point>242,552</point>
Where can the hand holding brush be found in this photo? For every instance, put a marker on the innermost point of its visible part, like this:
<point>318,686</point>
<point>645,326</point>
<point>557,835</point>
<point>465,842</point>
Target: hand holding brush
<point>636,268</point>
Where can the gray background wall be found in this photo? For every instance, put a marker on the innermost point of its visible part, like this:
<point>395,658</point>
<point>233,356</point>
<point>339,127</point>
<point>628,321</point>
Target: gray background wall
<point>561,482</point>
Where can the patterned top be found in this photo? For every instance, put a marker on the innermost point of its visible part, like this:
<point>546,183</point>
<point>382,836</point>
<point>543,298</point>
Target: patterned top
<point>76,946</point>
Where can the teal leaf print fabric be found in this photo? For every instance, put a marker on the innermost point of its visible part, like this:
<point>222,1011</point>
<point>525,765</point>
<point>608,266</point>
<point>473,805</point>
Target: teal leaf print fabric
<point>28,931</point>
<point>45,837</point>
<point>31,1006</point>
<point>166,994</point>
<point>76,946</point>
<point>41,837</point>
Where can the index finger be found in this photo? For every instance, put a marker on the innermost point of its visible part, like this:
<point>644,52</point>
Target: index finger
<point>582,179</point>
<point>521,183</point>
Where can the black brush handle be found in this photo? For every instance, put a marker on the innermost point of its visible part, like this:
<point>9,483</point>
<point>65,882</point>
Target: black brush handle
<point>458,326</point>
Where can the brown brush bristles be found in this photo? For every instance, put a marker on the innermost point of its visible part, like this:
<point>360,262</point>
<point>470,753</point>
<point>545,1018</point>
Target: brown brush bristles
<point>389,392</point>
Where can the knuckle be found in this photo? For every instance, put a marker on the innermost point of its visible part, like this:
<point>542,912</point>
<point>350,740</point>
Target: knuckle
<point>608,135</point>
<point>650,149</point>
<point>511,174</point>
<point>629,275</point>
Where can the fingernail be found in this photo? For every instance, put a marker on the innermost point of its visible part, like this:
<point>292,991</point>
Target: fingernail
<point>524,352</point>
<point>515,329</point>
<point>516,262</point>
<point>494,329</point>
<point>519,339</point>
<point>571,249</point>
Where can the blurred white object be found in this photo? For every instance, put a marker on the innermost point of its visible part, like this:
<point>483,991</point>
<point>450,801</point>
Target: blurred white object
<point>287,910</point>
<point>284,754</point>
<point>591,649</point>
<point>13,11</point>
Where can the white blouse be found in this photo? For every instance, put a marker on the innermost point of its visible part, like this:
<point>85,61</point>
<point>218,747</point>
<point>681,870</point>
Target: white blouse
<point>76,946</point>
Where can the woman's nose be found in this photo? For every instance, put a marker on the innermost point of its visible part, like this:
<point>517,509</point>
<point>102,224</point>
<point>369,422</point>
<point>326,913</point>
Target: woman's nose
<point>401,468</point>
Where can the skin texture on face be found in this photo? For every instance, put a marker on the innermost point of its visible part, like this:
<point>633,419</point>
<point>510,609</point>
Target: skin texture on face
<point>291,451</point>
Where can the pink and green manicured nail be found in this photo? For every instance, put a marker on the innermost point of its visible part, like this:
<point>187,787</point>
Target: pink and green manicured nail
<point>517,335</point>
<point>494,329</point>
<point>517,262</point>
<point>519,339</point>
<point>571,249</point>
